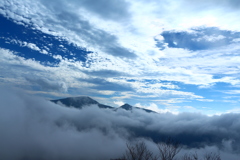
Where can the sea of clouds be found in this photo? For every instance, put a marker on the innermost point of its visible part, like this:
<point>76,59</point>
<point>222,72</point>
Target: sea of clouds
<point>35,128</point>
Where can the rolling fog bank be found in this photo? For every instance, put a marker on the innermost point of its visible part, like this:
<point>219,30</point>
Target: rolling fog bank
<point>34,128</point>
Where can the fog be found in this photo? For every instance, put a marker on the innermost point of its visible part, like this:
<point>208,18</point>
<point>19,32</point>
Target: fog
<point>34,128</point>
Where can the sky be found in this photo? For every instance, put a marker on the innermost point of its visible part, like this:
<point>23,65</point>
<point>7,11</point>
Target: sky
<point>168,56</point>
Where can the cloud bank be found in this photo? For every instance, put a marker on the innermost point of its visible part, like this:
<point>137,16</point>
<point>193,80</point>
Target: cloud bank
<point>34,128</point>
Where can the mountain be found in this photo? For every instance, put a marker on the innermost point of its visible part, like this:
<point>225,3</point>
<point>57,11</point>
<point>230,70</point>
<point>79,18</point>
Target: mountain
<point>79,102</point>
<point>130,108</point>
<point>126,107</point>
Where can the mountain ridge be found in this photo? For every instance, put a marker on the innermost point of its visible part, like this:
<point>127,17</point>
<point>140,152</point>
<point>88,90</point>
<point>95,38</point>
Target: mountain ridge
<point>81,101</point>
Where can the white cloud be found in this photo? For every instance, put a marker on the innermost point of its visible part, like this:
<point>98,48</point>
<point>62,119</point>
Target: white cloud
<point>50,131</point>
<point>26,44</point>
<point>48,85</point>
<point>154,107</point>
<point>32,46</point>
<point>119,103</point>
<point>232,92</point>
<point>210,38</point>
<point>205,100</point>
<point>106,92</point>
<point>59,76</point>
<point>236,40</point>
<point>122,38</point>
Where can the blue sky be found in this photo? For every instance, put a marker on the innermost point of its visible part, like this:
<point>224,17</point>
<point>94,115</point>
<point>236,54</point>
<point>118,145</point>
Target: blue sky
<point>168,56</point>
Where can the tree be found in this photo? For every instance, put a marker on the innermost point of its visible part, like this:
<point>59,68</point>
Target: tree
<point>212,156</point>
<point>139,151</point>
<point>207,156</point>
<point>168,149</point>
<point>190,156</point>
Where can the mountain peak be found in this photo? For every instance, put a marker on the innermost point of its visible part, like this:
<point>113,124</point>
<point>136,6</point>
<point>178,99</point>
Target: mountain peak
<point>80,101</point>
<point>77,102</point>
<point>83,99</point>
<point>126,106</point>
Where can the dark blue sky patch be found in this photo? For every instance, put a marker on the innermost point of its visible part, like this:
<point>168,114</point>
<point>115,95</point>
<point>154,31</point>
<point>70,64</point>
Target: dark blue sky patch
<point>13,35</point>
<point>160,44</point>
<point>199,39</point>
<point>131,80</point>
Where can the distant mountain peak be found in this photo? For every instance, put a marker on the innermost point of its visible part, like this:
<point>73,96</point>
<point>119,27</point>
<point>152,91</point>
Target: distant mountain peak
<point>79,102</point>
<point>83,99</point>
<point>126,106</point>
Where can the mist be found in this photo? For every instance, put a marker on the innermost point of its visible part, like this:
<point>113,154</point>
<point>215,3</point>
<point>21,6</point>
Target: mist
<point>35,128</point>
